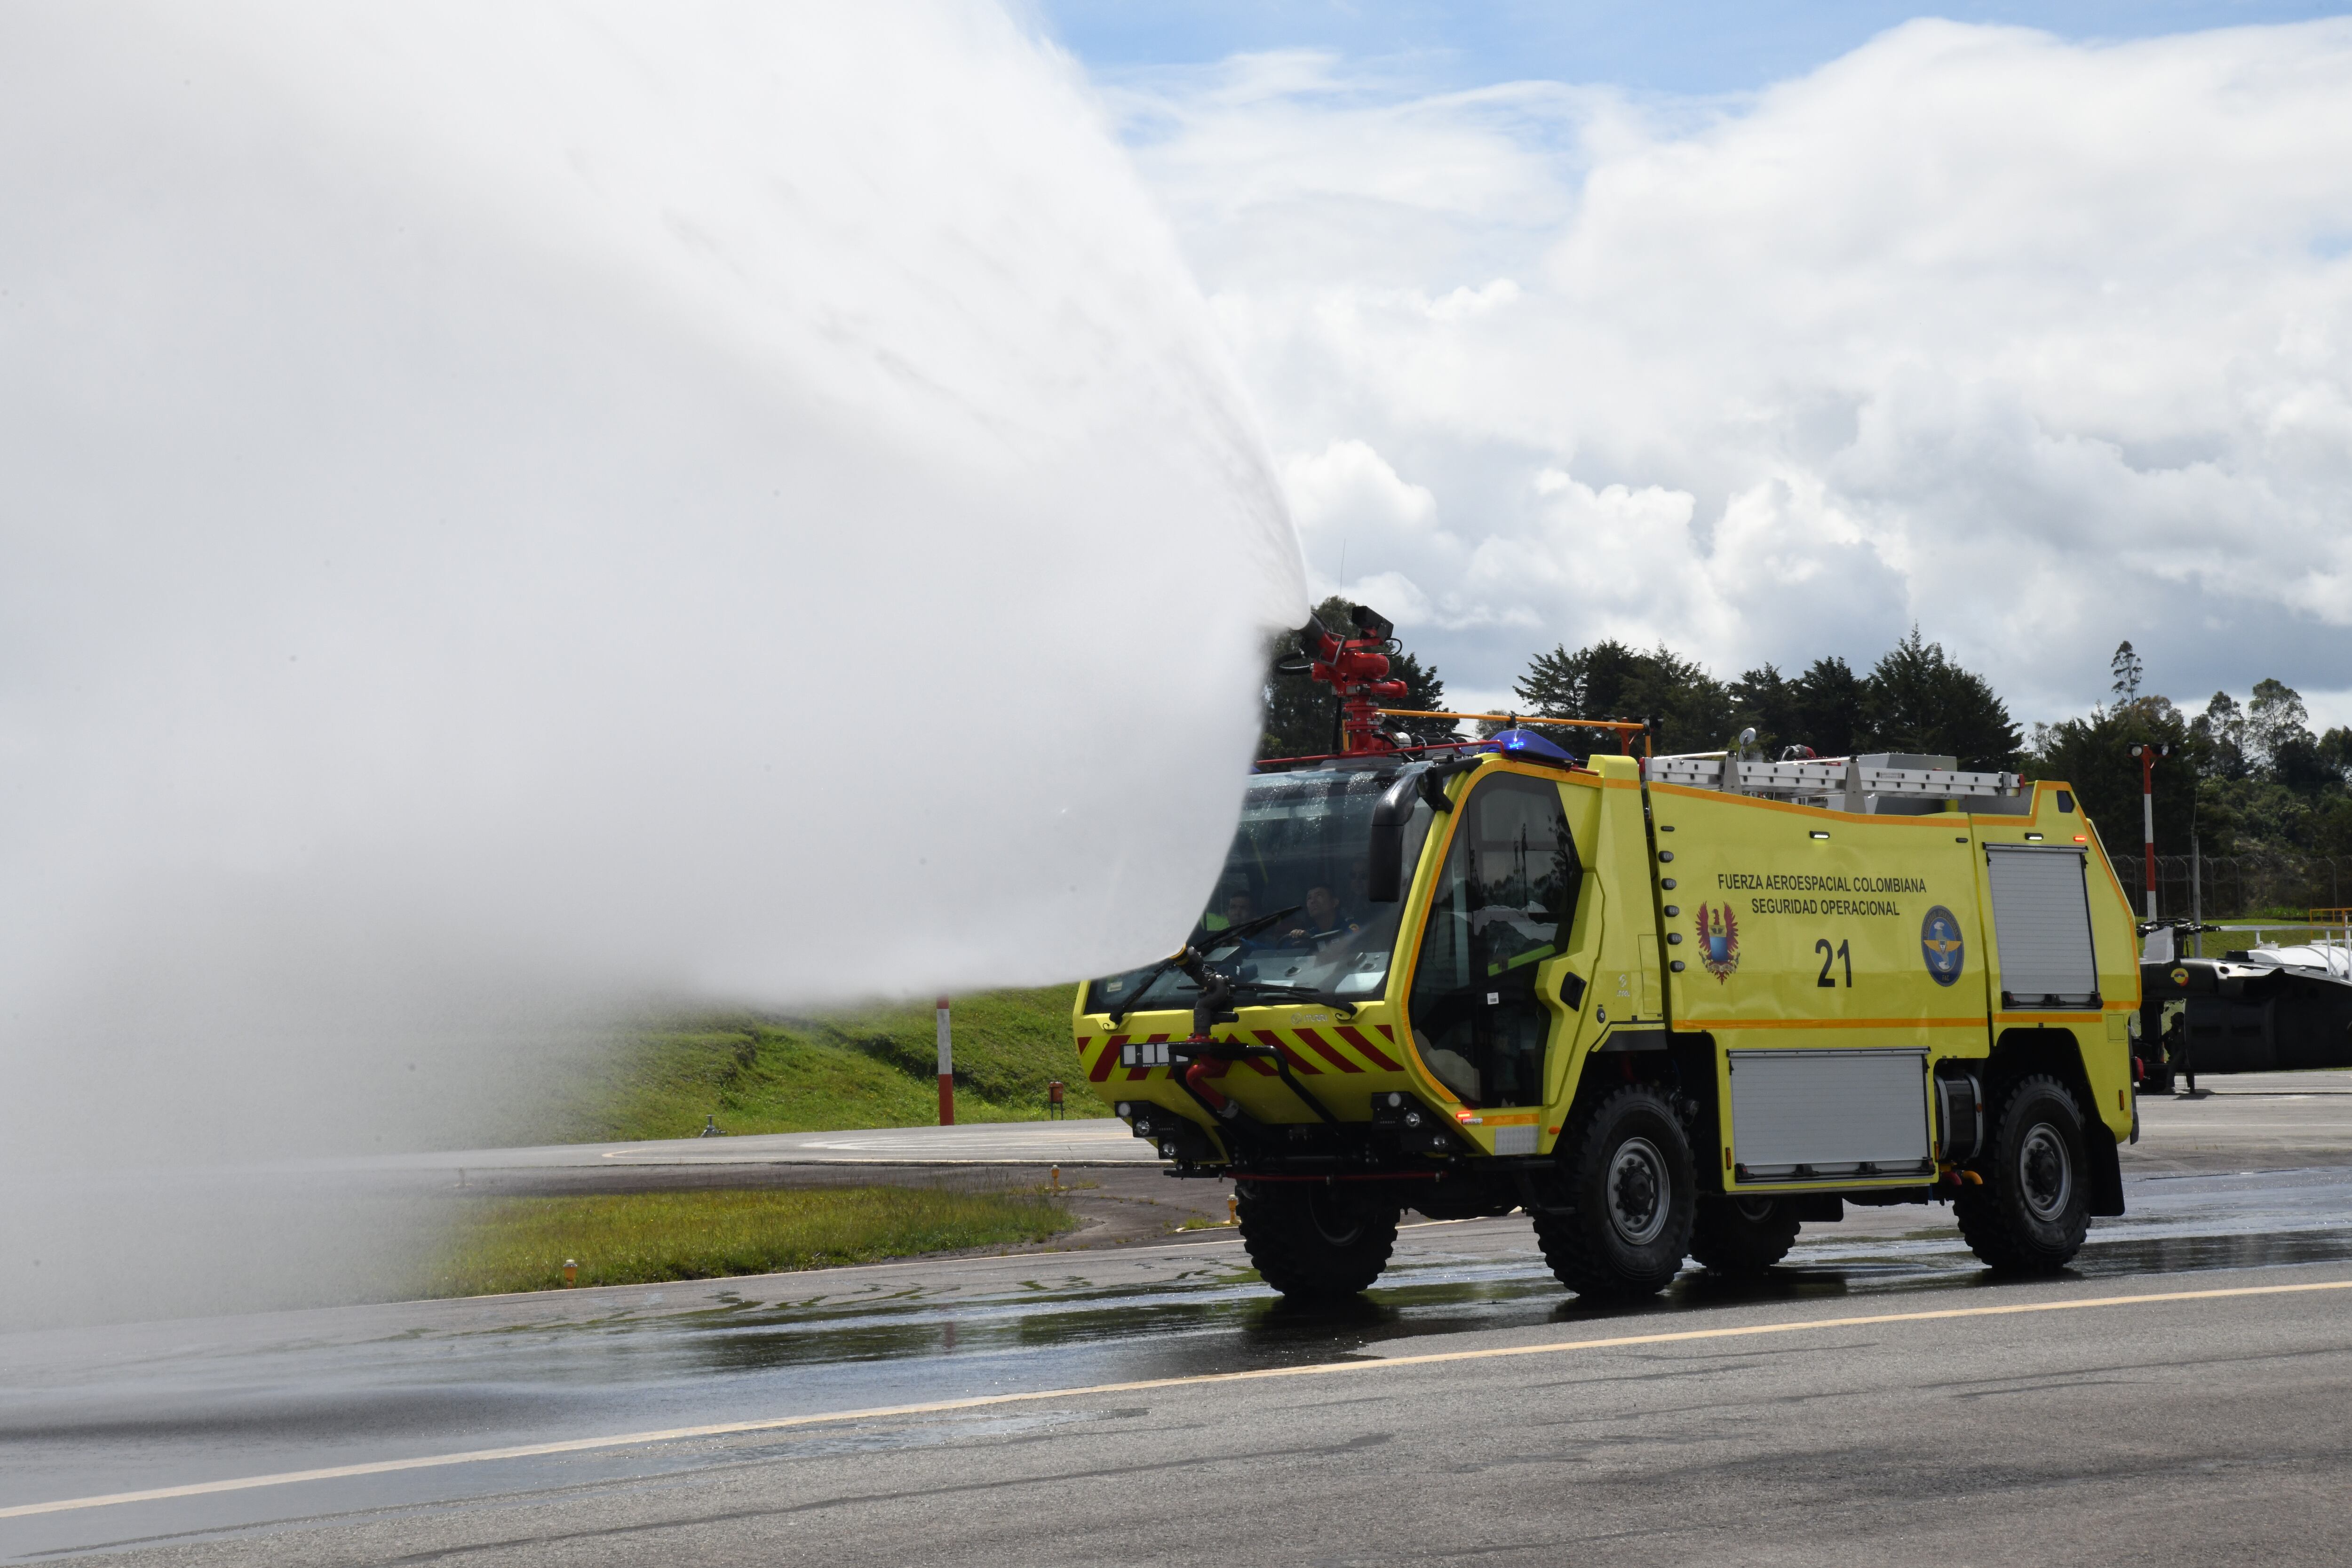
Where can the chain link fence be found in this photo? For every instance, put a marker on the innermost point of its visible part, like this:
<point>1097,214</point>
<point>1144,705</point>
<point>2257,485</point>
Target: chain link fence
<point>2230,887</point>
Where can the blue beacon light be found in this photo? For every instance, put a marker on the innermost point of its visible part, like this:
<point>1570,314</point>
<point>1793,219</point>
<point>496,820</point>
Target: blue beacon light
<point>1527,743</point>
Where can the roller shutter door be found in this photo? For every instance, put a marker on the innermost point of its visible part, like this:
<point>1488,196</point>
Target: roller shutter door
<point>1800,1115</point>
<point>2041,927</point>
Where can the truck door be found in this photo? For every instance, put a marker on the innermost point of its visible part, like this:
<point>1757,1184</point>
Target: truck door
<point>1504,902</point>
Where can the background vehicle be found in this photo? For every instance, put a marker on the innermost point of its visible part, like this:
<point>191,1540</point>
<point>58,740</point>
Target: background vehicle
<point>2268,1009</point>
<point>1671,1007</point>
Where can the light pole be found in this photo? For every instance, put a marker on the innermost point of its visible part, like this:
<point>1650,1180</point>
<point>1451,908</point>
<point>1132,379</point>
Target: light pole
<point>2196,878</point>
<point>2148,755</point>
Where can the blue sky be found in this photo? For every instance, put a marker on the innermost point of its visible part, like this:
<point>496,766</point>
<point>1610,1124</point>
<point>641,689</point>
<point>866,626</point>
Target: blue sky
<point>1665,47</point>
<point>1723,325</point>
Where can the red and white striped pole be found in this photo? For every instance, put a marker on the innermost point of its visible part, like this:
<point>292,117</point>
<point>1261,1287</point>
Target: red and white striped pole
<point>2147,755</point>
<point>946,1069</point>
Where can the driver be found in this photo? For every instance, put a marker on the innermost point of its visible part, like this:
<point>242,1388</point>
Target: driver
<point>1323,920</point>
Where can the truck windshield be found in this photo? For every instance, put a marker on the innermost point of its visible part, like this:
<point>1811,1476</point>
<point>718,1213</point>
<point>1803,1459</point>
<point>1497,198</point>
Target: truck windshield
<point>1304,840</point>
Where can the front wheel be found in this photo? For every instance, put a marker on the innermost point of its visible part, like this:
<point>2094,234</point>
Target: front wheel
<point>1742,1235</point>
<point>1312,1241</point>
<point>2033,1210</point>
<point>1630,1187</point>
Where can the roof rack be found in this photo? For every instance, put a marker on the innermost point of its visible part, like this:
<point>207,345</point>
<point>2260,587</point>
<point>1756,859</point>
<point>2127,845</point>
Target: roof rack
<point>1885,783</point>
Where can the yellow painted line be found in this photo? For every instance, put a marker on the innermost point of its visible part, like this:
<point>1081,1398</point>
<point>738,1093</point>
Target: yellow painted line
<point>1719,1025</point>
<point>987,1400</point>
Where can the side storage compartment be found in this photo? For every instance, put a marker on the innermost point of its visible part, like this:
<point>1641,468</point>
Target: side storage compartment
<point>1802,1115</point>
<point>2042,926</point>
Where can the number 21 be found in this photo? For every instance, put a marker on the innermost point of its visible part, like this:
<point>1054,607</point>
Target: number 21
<point>1829,957</point>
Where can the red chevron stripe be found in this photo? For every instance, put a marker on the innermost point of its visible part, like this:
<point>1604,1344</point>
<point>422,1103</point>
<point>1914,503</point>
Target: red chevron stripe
<point>1100,1071</point>
<point>1371,1052</point>
<point>1316,1041</point>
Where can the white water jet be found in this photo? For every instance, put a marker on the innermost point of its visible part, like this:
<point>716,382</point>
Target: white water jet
<point>508,509</point>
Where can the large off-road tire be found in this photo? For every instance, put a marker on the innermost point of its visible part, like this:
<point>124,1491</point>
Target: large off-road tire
<point>2033,1208</point>
<point>1742,1235</point>
<point>1313,1241</point>
<point>1630,1188</point>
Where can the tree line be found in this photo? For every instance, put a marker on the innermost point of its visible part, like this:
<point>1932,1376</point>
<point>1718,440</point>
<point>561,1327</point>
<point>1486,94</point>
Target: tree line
<point>2240,776</point>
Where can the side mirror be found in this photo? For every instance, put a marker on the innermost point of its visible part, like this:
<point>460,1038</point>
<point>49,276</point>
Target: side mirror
<point>1384,858</point>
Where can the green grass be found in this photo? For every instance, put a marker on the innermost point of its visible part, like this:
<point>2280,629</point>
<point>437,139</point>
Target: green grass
<point>521,1244</point>
<point>869,1066</point>
<point>2285,933</point>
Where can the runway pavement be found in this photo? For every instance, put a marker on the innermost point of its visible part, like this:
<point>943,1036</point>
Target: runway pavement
<point>1878,1399</point>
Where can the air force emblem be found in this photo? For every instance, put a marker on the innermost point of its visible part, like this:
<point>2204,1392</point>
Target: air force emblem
<point>1718,941</point>
<point>1940,944</point>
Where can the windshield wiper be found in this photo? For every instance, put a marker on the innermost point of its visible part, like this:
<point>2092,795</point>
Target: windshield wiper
<point>1190,959</point>
<point>1269,987</point>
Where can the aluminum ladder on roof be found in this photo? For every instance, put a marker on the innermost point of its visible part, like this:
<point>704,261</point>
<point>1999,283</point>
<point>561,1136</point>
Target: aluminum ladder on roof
<point>1840,783</point>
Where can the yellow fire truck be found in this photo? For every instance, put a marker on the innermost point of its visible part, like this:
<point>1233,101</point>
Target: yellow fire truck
<point>1670,1008</point>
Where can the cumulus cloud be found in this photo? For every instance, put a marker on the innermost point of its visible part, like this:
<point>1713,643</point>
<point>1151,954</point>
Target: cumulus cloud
<point>1347,484</point>
<point>2038,344</point>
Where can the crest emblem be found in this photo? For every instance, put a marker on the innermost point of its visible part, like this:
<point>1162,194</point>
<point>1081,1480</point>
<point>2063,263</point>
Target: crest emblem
<point>1940,944</point>
<point>1718,940</point>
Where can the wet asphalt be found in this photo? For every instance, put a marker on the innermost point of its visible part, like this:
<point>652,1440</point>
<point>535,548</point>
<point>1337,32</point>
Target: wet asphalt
<point>2251,1184</point>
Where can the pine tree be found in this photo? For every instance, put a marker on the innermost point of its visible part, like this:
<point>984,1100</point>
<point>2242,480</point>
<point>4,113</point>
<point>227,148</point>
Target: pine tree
<point>2126,668</point>
<point>1694,711</point>
<point>1825,707</point>
<point>1916,699</point>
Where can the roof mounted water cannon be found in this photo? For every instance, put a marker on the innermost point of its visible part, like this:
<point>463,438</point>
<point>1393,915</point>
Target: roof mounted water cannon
<point>1356,668</point>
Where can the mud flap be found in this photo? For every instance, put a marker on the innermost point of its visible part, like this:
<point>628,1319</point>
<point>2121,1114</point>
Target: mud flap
<point>2107,1174</point>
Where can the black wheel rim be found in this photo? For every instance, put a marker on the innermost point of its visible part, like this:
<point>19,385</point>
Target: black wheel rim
<point>2045,1172</point>
<point>1638,1193</point>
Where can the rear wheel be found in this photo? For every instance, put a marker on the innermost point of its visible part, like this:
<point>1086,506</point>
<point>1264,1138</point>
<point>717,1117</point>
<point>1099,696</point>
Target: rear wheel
<point>1312,1241</point>
<point>1742,1235</point>
<point>1631,1187</point>
<point>2031,1212</point>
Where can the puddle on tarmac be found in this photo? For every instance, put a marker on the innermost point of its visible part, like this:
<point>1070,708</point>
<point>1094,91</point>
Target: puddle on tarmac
<point>1223,1320</point>
<point>1101,1318</point>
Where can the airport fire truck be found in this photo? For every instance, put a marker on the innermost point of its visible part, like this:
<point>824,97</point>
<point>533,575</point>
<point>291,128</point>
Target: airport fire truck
<point>1670,1008</point>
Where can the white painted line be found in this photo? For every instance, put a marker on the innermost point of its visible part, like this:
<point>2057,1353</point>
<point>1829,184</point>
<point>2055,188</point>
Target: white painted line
<point>1319,1369</point>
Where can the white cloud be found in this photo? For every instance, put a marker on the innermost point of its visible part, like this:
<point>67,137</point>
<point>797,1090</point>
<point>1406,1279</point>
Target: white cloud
<point>2039,345</point>
<point>1349,485</point>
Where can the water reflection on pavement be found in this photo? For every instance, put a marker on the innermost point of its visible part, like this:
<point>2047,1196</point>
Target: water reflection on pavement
<point>142,1406</point>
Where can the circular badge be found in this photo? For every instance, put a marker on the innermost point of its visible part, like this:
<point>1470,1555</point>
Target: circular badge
<point>2180,977</point>
<point>1940,943</point>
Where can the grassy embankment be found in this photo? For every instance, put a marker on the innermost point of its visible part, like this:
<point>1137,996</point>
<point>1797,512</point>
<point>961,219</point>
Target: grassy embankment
<point>870,1067</point>
<point>521,1244</point>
